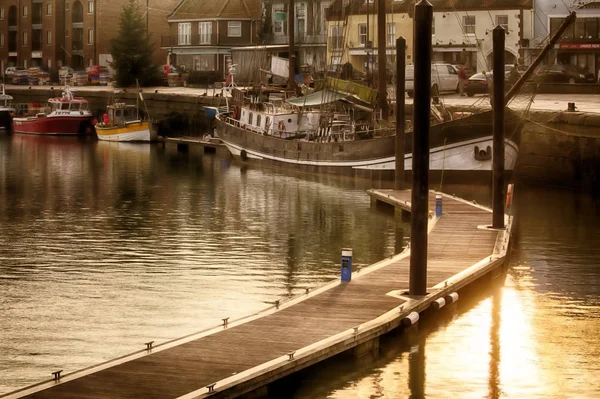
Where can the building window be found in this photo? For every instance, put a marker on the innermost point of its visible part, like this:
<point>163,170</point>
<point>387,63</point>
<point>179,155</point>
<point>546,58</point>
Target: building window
<point>391,34</point>
<point>469,24</point>
<point>279,19</point>
<point>362,35</point>
<point>49,37</point>
<point>336,38</point>
<point>25,11</point>
<point>433,26</point>
<point>502,20</point>
<point>301,19</point>
<point>1,39</point>
<point>49,63</point>
<point>24,39</point>
<point>90,62</point>
<point>67,5</point>
<point>205,29</point>
<point>90,36</point>
<point>90,7</point>
<point>184,33</point>
<point>2,13</point>
<point>49,9</point>
<point>234,29</point>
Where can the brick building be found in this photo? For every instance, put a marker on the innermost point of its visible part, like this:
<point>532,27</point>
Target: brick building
<point>202,33</point>
<point>77,33</point>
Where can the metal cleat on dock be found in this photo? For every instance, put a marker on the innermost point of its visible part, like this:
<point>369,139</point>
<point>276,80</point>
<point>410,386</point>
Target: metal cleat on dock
<point>307,291</point>
<point>211,387</point>
<point>149,345</point>
<point>56,375</point>
<point>225,321</point>
<point>356,330</point>
<point>291,355</point>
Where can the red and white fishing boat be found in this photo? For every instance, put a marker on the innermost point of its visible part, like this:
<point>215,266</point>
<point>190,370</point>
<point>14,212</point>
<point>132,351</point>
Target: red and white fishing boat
<point>66,115</point>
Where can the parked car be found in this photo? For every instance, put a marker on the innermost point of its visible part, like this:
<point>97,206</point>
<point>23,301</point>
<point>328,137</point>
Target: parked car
<point>481,83</point>
<point>444,78</point>
<point>10,71</point>
<point>95,70</point>
<point>563,73</point>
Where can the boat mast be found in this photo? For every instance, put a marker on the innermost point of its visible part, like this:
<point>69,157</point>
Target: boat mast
<point>291,50</point>
<point>381,60</point>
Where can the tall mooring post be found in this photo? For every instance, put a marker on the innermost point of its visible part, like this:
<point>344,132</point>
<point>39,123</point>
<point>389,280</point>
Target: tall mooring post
<point>381,60</point>
<point>400,102</point>
<point>291,48</point>
<point>420,165</point>
<point>499,37</point>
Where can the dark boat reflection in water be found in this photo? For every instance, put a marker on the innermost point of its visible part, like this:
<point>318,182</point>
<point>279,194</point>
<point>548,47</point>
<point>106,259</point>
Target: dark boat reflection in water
<point>105,246</point>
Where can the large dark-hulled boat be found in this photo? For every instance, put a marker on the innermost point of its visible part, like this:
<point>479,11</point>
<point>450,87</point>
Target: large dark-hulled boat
<point>328,131</point>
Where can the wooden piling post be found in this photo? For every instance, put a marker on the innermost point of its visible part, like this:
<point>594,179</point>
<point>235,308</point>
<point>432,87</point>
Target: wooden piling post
<point>400,102</point>
<point>498,37</point>
<point>420,166</point>
<point>381,60</point>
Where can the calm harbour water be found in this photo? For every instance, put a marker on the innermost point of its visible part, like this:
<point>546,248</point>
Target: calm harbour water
<point>105,246</point>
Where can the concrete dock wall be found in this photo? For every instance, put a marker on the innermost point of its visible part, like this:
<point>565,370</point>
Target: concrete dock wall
<point>179,114</point>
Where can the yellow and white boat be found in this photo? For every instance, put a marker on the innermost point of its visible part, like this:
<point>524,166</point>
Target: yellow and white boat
<point>123,123</point>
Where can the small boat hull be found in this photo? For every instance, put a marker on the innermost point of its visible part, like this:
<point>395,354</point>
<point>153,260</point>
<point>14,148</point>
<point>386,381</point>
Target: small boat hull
<point>137,131</point>
<point>53,125</point>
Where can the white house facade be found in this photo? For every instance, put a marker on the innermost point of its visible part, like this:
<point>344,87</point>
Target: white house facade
<point>465,36</point>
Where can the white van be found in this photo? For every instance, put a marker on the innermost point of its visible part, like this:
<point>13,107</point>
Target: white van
<point>444,78</point>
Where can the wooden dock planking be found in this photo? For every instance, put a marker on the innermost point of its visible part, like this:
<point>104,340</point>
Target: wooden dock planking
<point>455,243</point>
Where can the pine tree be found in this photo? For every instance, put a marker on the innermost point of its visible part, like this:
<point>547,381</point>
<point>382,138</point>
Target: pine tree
<point>132,49</point>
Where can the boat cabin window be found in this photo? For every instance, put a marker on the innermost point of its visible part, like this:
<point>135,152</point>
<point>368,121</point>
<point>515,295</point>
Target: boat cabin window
<point>267,123</point>
<point>83,106</point>
<point>258,120</point>
<point>250,117</point>
<point>64,106</point>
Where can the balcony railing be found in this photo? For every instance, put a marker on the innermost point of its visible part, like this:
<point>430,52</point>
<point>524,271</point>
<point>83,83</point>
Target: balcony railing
<point>190,40</point>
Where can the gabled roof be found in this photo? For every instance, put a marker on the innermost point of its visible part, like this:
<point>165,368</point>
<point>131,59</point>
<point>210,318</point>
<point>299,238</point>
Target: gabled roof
<point>223,9</point>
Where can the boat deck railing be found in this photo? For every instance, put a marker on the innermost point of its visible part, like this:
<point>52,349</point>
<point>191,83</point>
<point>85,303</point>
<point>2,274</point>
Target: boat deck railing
<point>322,134</point>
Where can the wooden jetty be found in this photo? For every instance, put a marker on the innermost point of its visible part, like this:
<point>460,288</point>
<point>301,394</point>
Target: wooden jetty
<point>242,356</point>
<point>210,146</point>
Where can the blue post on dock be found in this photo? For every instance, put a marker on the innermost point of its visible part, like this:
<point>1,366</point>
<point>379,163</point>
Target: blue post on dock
<point>438,205</point>
<point>346,264</point>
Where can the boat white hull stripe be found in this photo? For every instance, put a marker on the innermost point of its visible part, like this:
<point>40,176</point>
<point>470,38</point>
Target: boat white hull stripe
<point>140,135</point>
<point>458,156</point>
